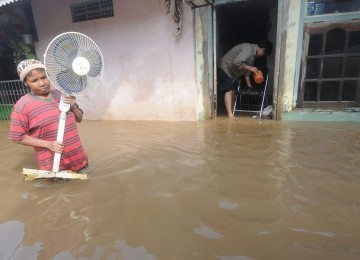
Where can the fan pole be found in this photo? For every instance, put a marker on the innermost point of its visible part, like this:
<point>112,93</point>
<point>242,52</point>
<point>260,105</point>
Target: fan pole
<point>61,130</point>
<point>30,174</point>
<point>73,63</point>
<point>59,139</point>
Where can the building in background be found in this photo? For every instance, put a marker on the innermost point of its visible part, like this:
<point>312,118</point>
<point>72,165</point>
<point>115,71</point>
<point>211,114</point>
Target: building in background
<point>161,65</point>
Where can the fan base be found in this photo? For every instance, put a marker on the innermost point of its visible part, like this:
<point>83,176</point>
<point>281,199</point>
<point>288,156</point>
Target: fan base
<point>31,174</point>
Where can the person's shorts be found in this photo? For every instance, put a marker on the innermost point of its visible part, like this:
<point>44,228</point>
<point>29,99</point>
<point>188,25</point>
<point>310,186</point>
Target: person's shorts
<point>224,81</point>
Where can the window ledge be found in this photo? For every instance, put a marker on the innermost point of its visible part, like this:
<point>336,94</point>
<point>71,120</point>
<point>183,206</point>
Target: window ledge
<point>316,114</point>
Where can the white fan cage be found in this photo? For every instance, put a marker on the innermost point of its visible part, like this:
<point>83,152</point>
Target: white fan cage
<point>58,61</point>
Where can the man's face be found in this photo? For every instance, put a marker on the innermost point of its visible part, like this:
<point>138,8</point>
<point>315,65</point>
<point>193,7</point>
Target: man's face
<point>38,82</point>
<point>261,52</point>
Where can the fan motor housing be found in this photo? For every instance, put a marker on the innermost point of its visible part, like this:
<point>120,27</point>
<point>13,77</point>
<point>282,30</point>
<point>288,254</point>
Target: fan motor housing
<point>81,66</point>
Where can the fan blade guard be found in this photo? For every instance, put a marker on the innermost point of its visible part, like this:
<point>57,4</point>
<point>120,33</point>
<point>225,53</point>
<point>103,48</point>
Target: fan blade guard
<point>74,63</point>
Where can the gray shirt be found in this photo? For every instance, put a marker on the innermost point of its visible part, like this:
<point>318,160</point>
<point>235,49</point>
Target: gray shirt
<point>236,58</point>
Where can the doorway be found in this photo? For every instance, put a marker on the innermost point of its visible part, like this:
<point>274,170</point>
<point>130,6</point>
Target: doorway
<point>245,22</point>
<point>17,36</point>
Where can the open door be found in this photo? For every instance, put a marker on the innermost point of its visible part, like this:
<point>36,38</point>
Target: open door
<point>243,22</point>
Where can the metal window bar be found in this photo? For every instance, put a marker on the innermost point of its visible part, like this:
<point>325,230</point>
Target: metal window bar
<point>10,92</point>
<point>261,94</point>
<point>344,55</point>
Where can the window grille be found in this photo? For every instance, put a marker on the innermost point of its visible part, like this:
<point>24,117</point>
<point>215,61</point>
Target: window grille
<point>90,10</point>
<point>10,92</point>
<point>331,66</point>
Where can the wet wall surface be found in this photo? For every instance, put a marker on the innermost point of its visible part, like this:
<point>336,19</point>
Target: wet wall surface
<point>221,189</point>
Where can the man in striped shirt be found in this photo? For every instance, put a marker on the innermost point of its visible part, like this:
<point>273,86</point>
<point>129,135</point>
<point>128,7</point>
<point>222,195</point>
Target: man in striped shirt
<point>35,118</point>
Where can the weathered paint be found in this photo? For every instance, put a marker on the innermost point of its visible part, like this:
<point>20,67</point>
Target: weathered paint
<point>149,73</point>
<point>204,61</point>
<point>292,59</point>
<point>291,26</point>
<point>199,61</point>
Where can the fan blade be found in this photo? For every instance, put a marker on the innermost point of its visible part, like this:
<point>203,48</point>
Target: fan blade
<point>74,63</point>
<point>71,83</point>
<point>95,60</point>
<point>65,51</point>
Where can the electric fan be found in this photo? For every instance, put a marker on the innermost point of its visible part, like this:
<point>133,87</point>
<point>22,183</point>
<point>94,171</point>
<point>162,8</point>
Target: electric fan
<point>74,65</point>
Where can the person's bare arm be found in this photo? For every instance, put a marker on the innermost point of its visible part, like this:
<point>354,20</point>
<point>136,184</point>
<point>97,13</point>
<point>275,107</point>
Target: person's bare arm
<point>248,81</point>
<point>74,108</point>
<point>77,112</point>
<point>51,145</point>
<point>251,68</point>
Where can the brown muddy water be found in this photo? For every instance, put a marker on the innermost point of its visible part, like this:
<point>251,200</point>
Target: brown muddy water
<point>222,189</point>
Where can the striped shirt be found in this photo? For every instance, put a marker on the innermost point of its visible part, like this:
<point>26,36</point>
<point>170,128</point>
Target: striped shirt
<point>39,118</point>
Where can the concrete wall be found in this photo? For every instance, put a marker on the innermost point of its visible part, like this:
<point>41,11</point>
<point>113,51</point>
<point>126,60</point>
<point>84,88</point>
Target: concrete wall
<point>286,55</point>
<point>149,73</point>
<point>290,57</point>
<point>272,38</point>
<point>292,29</point>
<point>204,61</point>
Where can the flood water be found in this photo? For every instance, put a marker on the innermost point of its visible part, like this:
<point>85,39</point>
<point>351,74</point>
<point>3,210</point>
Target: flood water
<point>221,189</point>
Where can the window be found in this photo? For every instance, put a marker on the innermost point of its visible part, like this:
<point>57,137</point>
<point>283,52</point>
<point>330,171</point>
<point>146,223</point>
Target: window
<point>319,7</point>
<point>330,66</point>
<point>93,9</point>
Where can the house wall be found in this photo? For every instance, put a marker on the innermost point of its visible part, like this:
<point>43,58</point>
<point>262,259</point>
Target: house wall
<point>149,74</point>
<point>204,57</point>
<point>286,56</point>
<point>292,21</point>
<point>291,33</point>
<point>272,39</point>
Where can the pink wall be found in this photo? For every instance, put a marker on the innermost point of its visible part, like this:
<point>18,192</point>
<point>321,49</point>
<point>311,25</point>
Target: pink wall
<point>149,73</point>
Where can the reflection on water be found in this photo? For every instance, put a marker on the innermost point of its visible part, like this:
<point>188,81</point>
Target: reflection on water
<point>222,189</point>
<point>11,247</point>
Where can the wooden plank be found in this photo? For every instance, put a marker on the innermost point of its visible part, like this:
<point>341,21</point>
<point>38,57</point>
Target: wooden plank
<point>32,174</point>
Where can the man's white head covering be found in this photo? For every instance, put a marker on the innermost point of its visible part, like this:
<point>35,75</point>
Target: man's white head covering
<point>26,66</point>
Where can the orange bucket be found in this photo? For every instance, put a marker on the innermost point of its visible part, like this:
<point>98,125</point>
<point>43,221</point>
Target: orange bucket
<point>258,77</point>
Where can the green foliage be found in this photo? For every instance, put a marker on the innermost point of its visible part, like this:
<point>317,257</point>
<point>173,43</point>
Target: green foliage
<point>20,50</point>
